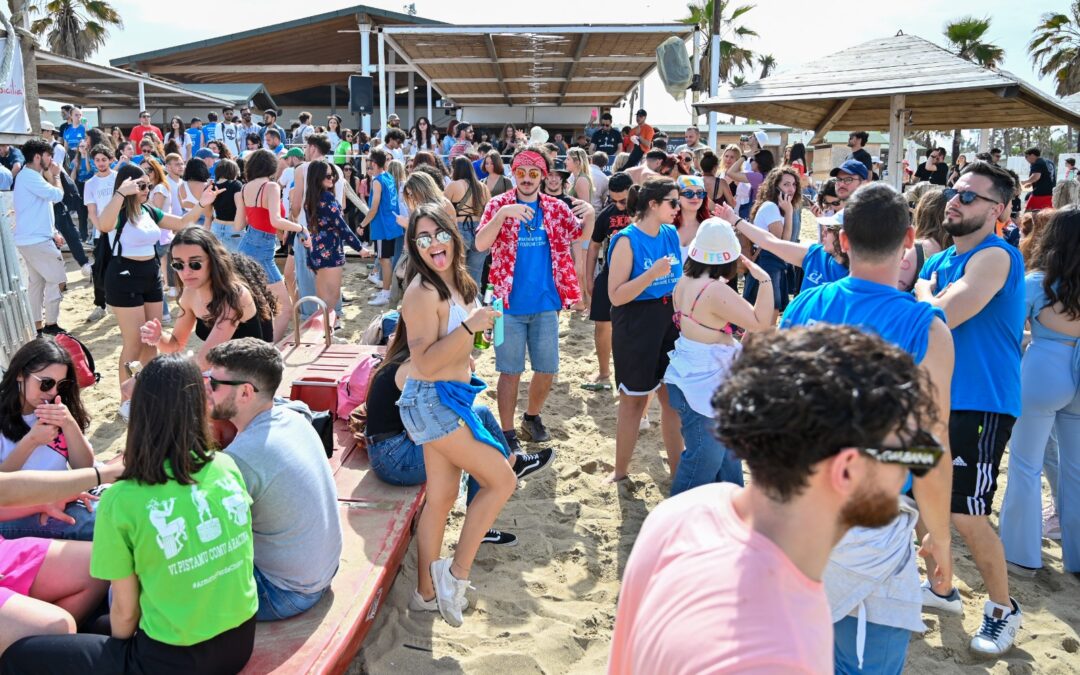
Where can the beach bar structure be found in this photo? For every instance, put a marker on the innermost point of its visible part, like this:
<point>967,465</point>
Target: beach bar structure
<point>895,84</point>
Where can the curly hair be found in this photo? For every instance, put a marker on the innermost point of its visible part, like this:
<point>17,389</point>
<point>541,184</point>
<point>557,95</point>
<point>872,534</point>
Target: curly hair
<point>770,189</point>
<point>254,277</point>
<point>1055,254</point>
<point>224,281</point>
<point>797,397</point>
<point>1032,225</point>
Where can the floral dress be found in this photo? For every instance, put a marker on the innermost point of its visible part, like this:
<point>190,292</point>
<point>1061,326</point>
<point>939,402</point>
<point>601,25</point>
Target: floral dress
<point>328,244</point>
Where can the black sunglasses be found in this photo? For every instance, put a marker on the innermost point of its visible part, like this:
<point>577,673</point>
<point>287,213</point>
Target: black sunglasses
<point>48,383</point>
<point>831,203</point>
<point>920,457</point>
<point>966,196</point>
<point>694,194</point>
<point>179,265</point>
<point>673,202</point>
<point>424,241</point>
<point>215,383</point>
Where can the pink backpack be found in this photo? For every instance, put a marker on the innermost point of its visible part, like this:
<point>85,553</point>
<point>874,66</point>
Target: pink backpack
<point>352,389</point>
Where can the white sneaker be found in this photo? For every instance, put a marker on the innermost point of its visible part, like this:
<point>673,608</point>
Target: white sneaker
<point>125,410</point>
<point>998,631</point>
<point>449,591</point>
<point>375,279</point>
<point>1051,524</point>
<point>381,299</point>
<point>87,271</point>
<point>644,424</point>
<point>949,605</point>
<point>97,315</point>
<point>417,603</point>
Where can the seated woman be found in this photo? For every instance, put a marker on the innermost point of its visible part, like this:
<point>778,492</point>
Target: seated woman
<point>42,425</point>
<point>174,538</point>
<point>45,586</point>
<point>225,296</point>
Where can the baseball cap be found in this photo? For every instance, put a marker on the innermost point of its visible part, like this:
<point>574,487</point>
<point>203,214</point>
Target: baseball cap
<point>393,116</point>
<point>205,153</point>
<point>294,152</point>
<point>642,113</point>
<point>836,219</point>
<point>270,111</point>
<point>853,167</point>
<point>46,125</point>
<point>715,243</point>
<point>762,138</point>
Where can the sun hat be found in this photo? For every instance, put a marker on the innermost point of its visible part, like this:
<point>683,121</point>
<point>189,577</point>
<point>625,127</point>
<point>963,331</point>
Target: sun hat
<point>46,125</point>
<point>833,220</point>
<point>762,137</point>
<point>715,243</point>
<point>538,135</point>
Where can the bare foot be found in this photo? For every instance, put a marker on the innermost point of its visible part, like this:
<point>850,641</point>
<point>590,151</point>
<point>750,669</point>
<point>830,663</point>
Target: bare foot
<point>614,478</point>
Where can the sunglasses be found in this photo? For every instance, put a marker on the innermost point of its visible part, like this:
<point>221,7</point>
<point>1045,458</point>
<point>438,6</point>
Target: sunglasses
<point>919,457</point>
<point>531,174</point>
<point>143,186</point>
<point>848,179</point>
<point>179,265</point>
<point>48,383</point>
<point>693,194</point>
<point>966,196</point>
<point>215,383</point>
<point>673,202</point>
<point>830,203</point>
<point>424,241</point>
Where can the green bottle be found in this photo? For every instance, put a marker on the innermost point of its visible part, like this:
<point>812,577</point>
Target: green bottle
<point>483,337</point>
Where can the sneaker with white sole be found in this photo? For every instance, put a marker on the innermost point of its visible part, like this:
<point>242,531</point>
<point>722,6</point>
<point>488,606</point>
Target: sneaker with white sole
<point>1021,571</point>
<point>87,271</point>
<point>381,299</point>
<point>125,410</point>
<point>999,628</point>
<point>1051,524</point>
<point>643,425</point>
<point>375,279</point>
<point>951,604</point>
<point>525,464</point>
<point>499,538</point>
<point>417,603</point>
<point>449,591</point>
<point>97,315</point>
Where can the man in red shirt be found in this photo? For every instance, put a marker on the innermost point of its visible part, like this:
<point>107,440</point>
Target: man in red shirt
<point>641,137</point>
<point>144,127</point>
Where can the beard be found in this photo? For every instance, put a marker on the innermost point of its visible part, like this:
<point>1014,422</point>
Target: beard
<point>870,507</point>
<point>226,410</point>
<point>963,227</point>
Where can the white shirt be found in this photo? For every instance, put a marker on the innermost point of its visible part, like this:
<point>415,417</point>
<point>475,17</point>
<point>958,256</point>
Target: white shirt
<point>98,191</point>
<point>183,141</point>
<point>600,183</point>
<point>34,197</point>
<point>767,214</point>
<point>396,153</point>
<point>173,206</point>
<point>229,134</point>
<point>59,154</point>
<point>43,457</point>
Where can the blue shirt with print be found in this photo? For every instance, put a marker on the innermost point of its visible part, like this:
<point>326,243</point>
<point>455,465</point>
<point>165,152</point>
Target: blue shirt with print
<point>73,135</point>
<point>209,132</point>
<point>819,267</point>
<point>534,289</point>
<point>647,249</point>
<point>196,136</point>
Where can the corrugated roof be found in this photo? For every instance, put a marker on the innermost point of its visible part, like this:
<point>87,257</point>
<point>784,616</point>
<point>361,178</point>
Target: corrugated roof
<point>851,89</point>
<point>239,93</point>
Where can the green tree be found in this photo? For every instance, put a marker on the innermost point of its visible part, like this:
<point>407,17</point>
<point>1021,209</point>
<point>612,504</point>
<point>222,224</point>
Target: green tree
<point>767,63</point>
<point>966,38</point>
<point>734,57</point>
<point>73,28</point>
<point>1055,49</point>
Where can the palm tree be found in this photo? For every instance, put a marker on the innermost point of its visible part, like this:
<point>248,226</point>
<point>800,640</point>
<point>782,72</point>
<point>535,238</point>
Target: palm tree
<point>965,36</point>
<point>733,57</point>
<point>73,28</point>
<point>767,63</point>
<point>1055,49</point>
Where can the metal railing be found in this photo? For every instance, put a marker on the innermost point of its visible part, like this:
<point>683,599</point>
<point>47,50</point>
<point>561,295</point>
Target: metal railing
<point>16,326</point>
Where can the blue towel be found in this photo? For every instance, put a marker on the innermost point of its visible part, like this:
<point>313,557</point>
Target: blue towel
<point>459,397</point>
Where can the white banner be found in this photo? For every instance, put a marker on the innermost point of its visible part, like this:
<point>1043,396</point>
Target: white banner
<point>13,117</point>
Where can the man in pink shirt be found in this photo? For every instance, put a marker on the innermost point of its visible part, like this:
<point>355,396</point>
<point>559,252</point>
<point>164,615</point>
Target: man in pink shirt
<point>725,579</point>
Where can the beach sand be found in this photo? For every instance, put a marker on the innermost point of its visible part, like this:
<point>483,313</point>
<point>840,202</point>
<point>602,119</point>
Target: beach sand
<point>548,604</point>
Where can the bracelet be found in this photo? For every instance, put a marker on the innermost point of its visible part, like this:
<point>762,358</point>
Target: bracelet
<point>767,281</point>
<point>467,329</point>
<point>98,475</point>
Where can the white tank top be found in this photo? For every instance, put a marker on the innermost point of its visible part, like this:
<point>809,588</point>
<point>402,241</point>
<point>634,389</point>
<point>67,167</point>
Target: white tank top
<point>458,314</point>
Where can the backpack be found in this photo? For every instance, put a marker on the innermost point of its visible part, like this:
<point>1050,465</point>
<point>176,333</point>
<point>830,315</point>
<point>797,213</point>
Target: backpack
<point>352,388</point>
<point>117,248</point>
<point>323,423</point>
<point>85,373</point>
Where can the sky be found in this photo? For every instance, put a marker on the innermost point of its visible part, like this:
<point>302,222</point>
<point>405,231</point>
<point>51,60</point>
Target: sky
<point>793,31</point>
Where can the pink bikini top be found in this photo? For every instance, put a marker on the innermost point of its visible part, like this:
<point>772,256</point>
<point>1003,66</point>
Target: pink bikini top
<point>679,315</point>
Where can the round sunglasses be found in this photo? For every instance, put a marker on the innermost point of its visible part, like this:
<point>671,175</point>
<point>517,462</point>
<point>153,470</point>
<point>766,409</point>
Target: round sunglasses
<point>693,194</point>
<point>966,196</point>
<point>424,241</point>
<point>48,383</point>
<point>179,265</point>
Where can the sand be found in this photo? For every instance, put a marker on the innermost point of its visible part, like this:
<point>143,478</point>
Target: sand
<point>548,604</point>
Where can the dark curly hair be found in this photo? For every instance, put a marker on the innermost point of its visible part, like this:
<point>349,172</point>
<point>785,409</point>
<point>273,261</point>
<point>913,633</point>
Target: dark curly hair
<point>1056,255</point>
<point>33,357</point>
<point>798,397</point>
<point>254,277</point>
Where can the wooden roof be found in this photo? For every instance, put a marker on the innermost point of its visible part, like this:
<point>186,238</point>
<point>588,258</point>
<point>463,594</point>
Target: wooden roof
<point>851,89</point>
<point>535,65</point>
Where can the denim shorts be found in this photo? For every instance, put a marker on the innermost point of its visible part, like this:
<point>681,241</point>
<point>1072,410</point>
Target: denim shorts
<point>539,332</point>
<point>277,603</point>
<point>425,417</point>
<point>260,246</point>
<point>225,233</point>
<point>397,460</point>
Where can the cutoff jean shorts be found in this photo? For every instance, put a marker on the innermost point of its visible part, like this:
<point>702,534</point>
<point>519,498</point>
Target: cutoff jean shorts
<point>225,233</point>
<point>425,417</point>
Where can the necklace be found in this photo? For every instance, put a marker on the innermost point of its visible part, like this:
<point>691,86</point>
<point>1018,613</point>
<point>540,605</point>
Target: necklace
<point>533,223</point>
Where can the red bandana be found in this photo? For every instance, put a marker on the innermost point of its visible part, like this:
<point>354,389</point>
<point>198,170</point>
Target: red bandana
<point>531,159</point>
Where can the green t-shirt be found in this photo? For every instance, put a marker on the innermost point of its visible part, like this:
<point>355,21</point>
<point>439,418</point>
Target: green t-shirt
<point>189,545</point>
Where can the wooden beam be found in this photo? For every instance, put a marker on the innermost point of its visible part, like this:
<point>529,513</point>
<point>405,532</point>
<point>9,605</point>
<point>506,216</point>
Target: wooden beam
<point>489,42</point>
<point>829,121</point>
<point>276,68</point>
<point>578,53</point>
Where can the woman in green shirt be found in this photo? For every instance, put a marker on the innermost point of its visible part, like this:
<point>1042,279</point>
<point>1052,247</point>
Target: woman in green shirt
<point>174,538</point>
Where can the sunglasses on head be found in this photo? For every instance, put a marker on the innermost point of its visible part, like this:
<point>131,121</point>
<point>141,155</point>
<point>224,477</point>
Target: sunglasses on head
<point>179,265</point>
<point>531,174</point>
<point>48,383</point>
<point>215,383</point>
<point>424,241</point>
<point>919,457</point>
<point>966,196</point>
<point>693,194</point>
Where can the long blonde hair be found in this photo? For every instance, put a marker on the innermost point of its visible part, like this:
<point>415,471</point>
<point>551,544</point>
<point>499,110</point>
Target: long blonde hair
<point>420,188</point>
<point>397,170</point>
<point>582,160</point>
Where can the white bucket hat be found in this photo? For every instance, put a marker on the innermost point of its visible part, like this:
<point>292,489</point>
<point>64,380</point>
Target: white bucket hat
<point>715,243</point>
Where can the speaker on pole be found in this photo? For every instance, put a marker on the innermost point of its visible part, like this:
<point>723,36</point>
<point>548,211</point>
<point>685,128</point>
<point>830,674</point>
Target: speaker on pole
<point>361,94</point>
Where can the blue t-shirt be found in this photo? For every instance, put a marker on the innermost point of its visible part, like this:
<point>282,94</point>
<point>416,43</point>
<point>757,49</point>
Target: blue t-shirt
<point>86,170</point>
<point>534,289</point>
<point>384,225</point>
<point>986,377</point>
<point>647,249</point>
<point>209,132</point>
<point>819,267</point>
<point>14,156</point>
<point>478,167</point>
<point>196,136</point>
<point>892,315</point>
<point>73,135</point>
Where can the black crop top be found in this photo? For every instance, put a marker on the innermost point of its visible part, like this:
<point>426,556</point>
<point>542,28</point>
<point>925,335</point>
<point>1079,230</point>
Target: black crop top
<point>225,202</point>
<point>383,416</point>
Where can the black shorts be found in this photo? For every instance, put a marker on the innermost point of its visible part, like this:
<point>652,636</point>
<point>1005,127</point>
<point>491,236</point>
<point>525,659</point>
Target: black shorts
<point>600,308</point>
<point>977,441</point>
<point>386,248</point>
<point>133,283</point>
<point>642,334</point>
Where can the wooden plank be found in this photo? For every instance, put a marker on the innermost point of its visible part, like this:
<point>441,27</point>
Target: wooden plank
<point>826,124</point>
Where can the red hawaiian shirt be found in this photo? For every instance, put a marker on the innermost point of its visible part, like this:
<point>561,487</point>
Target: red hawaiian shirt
<point>562,229</point>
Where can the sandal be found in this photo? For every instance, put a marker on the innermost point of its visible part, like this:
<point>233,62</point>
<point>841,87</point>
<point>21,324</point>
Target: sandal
<point>596,386</point>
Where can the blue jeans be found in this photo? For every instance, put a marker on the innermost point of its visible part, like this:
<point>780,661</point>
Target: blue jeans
<point>305,282</point>
<point>260,246</point>
<point>399,461</point>
<point>277,603</point>
<point>883,653</point>
<point>474,260</point>
<point>228,237</point>
<point>30,526</point>
<point>540,332</point>
<point>1050,384</point>
<point>1050,467</point>
<point>705,459</point>
<point>66,228</point>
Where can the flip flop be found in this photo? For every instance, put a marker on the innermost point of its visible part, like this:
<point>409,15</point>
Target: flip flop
<point>596,386</point>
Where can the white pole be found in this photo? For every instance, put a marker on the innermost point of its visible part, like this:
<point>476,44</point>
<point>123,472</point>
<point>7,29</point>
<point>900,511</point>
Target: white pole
<point>695,63</point>
<point>641,93</point>
<point>412,99</point>
<point>714,85</point>
<point>984,140</point>
<point>142,96</point>
<point>365,68</point>
<point>391,95</point>
<point>382,82</point>
<point>430,103</point>
<point>897,122</point>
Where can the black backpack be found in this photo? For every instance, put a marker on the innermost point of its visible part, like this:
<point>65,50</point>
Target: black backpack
<point>121,220</point>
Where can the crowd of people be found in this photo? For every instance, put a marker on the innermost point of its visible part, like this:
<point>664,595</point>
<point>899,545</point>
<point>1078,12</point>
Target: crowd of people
<point>869,376</point>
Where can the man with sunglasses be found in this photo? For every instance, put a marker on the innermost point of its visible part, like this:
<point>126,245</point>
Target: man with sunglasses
<point>144,127</point>
<point>247,125</point>
<point>934,169</point>
<point>728,579</point>
<point>607,139</point>
<point>530,235</point>
<point>878,596</point>
<point>979,284</point>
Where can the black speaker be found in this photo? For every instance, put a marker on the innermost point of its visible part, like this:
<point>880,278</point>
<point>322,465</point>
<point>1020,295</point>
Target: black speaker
<point>361,94</point>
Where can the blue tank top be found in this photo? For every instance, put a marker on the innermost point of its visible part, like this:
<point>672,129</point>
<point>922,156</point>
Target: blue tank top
<point>986,377</point>
<point>384,225</point>
<point>819,267</point>
<point>892,315</point>
<point>646,249</point>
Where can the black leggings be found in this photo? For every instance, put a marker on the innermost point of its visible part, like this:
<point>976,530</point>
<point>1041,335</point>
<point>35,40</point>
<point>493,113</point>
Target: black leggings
<point>224,654</point>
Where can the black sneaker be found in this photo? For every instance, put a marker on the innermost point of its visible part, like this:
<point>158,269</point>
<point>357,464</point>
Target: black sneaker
<point>51,329</point>
<point>531,463</point>
<point>535,430</point>
<point>499,538</point>
<point>512,441</point>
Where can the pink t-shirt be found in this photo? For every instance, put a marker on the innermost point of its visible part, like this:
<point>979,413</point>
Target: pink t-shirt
<point>703,593</point>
